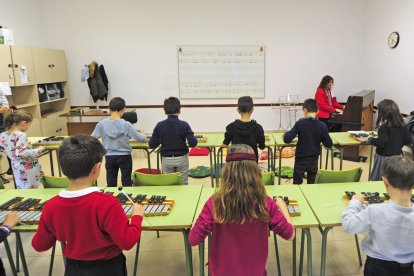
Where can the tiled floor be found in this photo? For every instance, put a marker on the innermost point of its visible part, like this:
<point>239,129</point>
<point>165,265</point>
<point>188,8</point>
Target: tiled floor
<point>165,255</point>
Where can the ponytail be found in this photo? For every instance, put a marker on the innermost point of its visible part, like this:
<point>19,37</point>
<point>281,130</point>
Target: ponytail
<point>16,117</point>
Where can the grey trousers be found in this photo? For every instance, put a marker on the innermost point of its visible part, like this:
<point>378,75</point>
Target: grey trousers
<point>176,164</point>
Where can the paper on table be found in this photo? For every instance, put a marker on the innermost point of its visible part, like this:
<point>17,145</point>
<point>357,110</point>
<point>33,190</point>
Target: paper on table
<point>23,75</point>
<point>5,88</point>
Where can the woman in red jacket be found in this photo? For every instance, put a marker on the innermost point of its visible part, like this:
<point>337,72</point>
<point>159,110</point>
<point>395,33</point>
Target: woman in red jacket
<point>327,103</point>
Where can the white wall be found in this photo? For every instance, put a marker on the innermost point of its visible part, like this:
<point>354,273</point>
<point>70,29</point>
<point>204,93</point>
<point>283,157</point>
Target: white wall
<point>25,19</point>
<point>136,41</point>
<point>391,71</point>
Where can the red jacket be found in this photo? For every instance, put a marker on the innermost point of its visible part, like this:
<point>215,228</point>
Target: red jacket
<point>325,109</point>
<point>93,225</point>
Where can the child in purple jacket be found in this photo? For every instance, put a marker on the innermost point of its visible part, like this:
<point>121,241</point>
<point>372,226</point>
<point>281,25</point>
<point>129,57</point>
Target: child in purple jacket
<point>238,217</point>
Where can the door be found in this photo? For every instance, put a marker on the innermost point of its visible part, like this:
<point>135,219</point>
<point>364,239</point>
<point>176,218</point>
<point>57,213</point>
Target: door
<point>58,65</point>
<point>42,60</point>
<point>22,56</point>
<point>6,70</point>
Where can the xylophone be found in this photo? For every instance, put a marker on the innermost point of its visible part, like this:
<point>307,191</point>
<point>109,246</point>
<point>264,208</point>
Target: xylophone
<point>52,140</point>
<point>371,198</point>
<point>156,205</point>
<point>29,209</point>
<point>201,138</point>
<point>292,205</point>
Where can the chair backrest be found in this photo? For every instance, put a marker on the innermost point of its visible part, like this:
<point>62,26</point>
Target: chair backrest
<point>54,182</point>
<point>268,178</point>
<point>339,176</point>
<point>141,179</point>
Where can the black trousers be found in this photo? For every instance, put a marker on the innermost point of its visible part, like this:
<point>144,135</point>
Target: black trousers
<point>310,166</point>
<point>114,163</point>
<point>111,267</point>
<point>376,267</point>
<point>2,271</point>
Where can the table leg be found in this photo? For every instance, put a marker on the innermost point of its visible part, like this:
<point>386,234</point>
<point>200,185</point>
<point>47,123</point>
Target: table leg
<point>201,256</point>
<point>306,233</point>
<point>279,272</point>
<point>341,158</point>
<point>269,158</point>
<point>51,162</point>
<point>332,158</point>
<point>188,253</point>
<point>211,166</point>
<point>301,253</point>
<point>158,160</point>
<point>52,259</point>
<point>17,259</point>
<point>57,158</point>
<point>324,233</point>
<point>294,255</point>
<point>370,162</point>
<point>136,258</point>
<point>280,166</point>
<point>10,257</point>
<point>62,244</point>
<point>327,158</point>
<point>23,258</point>
<point>148,159</point>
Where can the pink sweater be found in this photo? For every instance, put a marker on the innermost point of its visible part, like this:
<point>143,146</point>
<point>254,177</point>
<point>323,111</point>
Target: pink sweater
<point>239,249</point>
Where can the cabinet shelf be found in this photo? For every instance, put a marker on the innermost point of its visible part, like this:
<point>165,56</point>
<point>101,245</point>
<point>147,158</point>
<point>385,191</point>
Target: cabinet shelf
<point>52,101</point>
<point>19,106</point>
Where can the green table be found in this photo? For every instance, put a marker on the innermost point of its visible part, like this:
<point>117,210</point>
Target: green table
<point>180,219</point>
<point>344,139</point>
<point>327,203</point>
<point>305,221</point>
<point>280,145</point>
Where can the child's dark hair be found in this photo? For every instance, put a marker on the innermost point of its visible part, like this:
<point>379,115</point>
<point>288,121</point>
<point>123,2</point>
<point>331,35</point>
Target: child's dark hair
<point>399,171</point>
<point>172,105</point>
<point>79,154</point>
<point>117,104</point>
<point>16,117</point>
<point>389,114</point>
<point>310,105</point>
<point>324,82</point>
<point>245,104</point>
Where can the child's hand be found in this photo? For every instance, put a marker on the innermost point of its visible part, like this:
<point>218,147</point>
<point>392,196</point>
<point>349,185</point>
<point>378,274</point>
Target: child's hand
<point>359,197</point>
<point>280,202</point>
<point>40,149</point>
<point>137,210</point>
<point>340,111</point>
<point>11,219</point>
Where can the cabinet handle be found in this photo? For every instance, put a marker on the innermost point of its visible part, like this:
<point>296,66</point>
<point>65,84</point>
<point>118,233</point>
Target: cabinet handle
<point>10,65</point>
<point>53,65</point>
<point>50,65</point>
<point>16,66</point>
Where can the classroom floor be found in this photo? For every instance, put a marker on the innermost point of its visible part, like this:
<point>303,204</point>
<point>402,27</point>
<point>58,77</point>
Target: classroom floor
<point>165,255</point>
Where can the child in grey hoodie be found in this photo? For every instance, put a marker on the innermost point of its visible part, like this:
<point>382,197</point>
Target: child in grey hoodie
<point>115,133</point>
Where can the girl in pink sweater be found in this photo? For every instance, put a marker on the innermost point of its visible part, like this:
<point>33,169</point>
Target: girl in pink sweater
<point>238,217</point>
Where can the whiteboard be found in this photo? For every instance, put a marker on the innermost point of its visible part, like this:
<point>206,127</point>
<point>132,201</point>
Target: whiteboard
<point>221,72</point>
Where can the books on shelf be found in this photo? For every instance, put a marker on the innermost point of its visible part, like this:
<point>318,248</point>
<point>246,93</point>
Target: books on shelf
<point>79,110</point>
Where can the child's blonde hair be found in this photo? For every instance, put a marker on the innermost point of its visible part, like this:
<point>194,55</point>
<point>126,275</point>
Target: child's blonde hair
<point>241,196</point>
<point>16,117</point>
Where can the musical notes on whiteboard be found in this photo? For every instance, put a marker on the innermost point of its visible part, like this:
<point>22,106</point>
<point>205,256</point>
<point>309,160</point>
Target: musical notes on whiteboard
<point>221,71</point>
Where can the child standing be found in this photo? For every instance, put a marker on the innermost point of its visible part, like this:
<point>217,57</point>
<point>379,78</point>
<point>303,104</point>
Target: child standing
<point>311,133</point>
<point>26,168</point>
<point>172,135</point>
<point>245,131</point>
<point>392,135</point>
<point>92,224</point>
<point>389,243</point>
<point>115,133</point>
<point>239,216</point>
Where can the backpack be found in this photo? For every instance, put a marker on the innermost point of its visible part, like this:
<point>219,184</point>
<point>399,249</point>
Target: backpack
<point>409,124</point>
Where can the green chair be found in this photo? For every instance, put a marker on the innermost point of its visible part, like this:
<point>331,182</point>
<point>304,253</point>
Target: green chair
<point>341,177</point>
<point>141,179</point>
<point>54,182</point>
<point>50,182</point>
<point>268,178</point>
<point>353,175</point>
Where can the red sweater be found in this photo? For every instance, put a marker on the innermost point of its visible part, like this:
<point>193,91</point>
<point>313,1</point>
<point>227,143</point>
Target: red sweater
<point>239,249</point>
<point>93,225</point>
<point>325,109</point>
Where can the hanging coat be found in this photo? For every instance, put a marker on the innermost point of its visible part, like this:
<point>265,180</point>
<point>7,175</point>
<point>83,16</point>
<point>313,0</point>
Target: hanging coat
<point>97,87</point>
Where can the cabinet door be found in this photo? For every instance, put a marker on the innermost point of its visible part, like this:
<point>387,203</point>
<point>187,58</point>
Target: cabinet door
<point>35,129</point>
<point>53,125</point>
<point>22,56</point>
<point>42,60</point>
<point>59,66</point>
<point>6,70</point>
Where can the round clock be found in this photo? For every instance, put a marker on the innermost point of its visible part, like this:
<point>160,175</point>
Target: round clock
<point>393,40</point>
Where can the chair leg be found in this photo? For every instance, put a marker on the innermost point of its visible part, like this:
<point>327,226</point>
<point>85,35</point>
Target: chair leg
<point>17,258</point>
<point>158,234</point>
<point>279,272</point>
<point>358,250</point>
<point>52,259</point>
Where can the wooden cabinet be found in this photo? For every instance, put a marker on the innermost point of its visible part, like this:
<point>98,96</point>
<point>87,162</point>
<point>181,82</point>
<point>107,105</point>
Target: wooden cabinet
<point>22,56</point>
<point>53,125</point>
<point>6,66</point>
<point>35,129</point>
<point>50,65</point>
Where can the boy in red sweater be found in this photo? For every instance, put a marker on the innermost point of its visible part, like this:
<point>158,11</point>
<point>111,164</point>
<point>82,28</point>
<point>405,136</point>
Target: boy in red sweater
<point>92,224</point>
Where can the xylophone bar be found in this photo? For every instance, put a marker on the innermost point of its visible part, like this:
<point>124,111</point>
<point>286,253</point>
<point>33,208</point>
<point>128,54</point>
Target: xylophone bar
<point>29,210</point>
<point>292,206</point>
